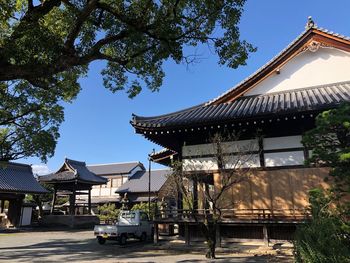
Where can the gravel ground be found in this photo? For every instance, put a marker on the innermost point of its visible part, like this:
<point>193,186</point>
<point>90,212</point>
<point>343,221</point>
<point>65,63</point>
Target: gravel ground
<point>81,246</point>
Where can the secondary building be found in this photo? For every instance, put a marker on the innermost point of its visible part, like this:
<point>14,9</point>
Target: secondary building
<point>16,180</point>
<point>116,175</point>
<point>143,186</point>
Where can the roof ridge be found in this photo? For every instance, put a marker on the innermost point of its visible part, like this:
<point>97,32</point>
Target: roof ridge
<point>14,165</point>
<point>167,114</point>
<point>292,90</point>
<point>74,161</point>
<point>104,164</point>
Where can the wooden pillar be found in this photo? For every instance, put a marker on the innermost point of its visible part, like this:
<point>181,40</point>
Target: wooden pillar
<point>53,200</point>
<point>266,235</point>
<point>195,194</point>
<point>217,181</point>
<point>14,210</point>
<point>187,235</point>
<point>89,202</point>
<point>2,206</point>
<point>72,203</point>
<point>218,235</point>
<point>156,234</point>
<point>179,200</point>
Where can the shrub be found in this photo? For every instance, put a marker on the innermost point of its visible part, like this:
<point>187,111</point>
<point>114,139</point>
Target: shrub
<point>144,207</point>
<point>108,213</point>
<point>324,239</point>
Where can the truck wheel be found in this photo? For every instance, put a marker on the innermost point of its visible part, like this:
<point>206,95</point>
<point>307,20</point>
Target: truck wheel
<point>101,240</point>
<point>122,240</point>
<point>143,237</point>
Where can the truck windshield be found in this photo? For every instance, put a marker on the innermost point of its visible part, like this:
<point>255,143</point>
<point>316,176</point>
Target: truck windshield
<point>128,215</point>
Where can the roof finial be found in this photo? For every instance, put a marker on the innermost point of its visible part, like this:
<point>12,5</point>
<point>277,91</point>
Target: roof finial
<point>310,23</point>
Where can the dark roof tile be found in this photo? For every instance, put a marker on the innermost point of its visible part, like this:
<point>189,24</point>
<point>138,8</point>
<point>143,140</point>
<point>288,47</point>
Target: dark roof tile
<point>114,168</point>
<point>306,99</point>
<point>18,178</point>
<point>139,182</point>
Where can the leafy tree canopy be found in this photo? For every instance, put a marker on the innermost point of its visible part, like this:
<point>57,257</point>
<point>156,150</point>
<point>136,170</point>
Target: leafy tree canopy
<point>45,46</point>
<point>330,144</point>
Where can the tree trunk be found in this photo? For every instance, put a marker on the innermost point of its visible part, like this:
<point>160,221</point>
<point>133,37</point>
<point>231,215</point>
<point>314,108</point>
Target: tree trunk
<point>37,200</point>
<point>211,239</point>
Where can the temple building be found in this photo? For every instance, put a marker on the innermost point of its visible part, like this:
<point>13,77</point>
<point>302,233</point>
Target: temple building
<point>136,187</point>
<point>16,180</point>
<point>271,109</point>
<point>72,179</point>
<point>116,174</point>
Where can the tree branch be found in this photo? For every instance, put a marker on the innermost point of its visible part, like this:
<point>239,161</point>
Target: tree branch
<point>83,16</point>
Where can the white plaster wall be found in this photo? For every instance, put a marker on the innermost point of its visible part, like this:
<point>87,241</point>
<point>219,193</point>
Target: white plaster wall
<point>284,158</point>
<point>95,191</point>
<point>105,191</point>
<point>325,66</point>
<point>198,150</point>
<point>199,164</point>
<point>240,146</point>
<point>125,179</point>
<point>282,142</point>
<point>113,191</point>
<point>227,147</point>
<point>26,218</point>
<point>242,161</point>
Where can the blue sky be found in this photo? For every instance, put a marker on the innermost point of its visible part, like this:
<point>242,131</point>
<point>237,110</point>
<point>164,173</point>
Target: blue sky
<point>96,127</point>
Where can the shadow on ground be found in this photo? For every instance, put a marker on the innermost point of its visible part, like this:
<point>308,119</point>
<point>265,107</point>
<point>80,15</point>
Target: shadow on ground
<point>87,249</point>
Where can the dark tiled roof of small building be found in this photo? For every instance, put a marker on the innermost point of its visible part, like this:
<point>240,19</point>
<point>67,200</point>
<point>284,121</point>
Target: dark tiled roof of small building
<point>139,182</point>
<point>114,168</point>
<point>78,172</point>
<point>18,178</point>
<point>297,100</point>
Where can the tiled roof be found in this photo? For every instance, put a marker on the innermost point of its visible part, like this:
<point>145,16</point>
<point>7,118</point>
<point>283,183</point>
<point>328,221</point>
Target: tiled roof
<point>298,100</point>
<point>139,182</point>
<point>18,178</point>
<point>78,171</point>
<point>114,168</point>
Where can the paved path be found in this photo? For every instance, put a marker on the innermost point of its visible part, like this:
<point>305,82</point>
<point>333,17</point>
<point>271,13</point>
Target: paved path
<point>81,246</point>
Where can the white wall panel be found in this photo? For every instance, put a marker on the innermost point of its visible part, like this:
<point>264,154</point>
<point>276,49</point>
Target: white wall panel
<point>227,147</point>
<point>95,192</point>
<point>284,158</point>
<point>242,161</point>
<point>286,142</point>
<point>306,70</point>
<point>105,191</point>
<point>198,150</point>
<point>240,146</point>
<point>113,191</point>
<point>199,164</point>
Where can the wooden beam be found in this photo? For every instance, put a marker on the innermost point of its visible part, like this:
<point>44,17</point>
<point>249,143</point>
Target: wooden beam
<point>53,201</point>
<point>156,234</point>
<point>187,235</point>
<point>195,193</point>
<point>72,203</point>
<point>89,202</point>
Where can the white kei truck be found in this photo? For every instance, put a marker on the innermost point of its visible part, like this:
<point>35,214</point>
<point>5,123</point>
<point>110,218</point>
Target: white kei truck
<point>131,224</point>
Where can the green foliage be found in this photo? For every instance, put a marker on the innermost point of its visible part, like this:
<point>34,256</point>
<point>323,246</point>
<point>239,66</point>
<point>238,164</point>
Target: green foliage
<point>326,238</point>
<point>46,46</point>
<point>330,144</point>
<point>144,207</point>
<point>108,213</point>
